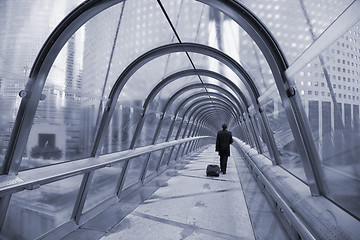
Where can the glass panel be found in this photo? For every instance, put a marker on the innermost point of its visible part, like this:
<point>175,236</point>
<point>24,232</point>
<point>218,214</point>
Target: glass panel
<point>64,124</point>
<point>33,22</point>
<point>196,22</point>
<point>204,62</point>
<point>329,89</point>
<point>308,16</point>
<point>181,150</point>
<point>122,128</point>
<point>181,131</point>
<point>134,170</point>
<point>173,153</point>
<point>148,130</point>
<point>164,129</point>
<point>141,27</point>
<point>167,92</point>
<point>148,76</point>
<point>103,185</point>
<point>283,136</point>
<point>33,213</point>
<point>165,156</point>
<point>261,135</point>
<point>176,127</point>
<point>153,162</point>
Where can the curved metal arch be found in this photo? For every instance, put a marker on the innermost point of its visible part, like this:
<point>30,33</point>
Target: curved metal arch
<point>199,72</point>
<point>182,47</point>
<point>49,51</point>
<point>201,109</point>
<point>198,106</point>
<point>205,117</point>
<point>152,54</point>
<point>214,112</point>
<point>181,91</point>
<point>205,120</point>
<point>225,107</point>
<point>198,120</point>
<point>237,112</point>
<point>195,121</point>
<point>177,94</point>
<point>195,127</point>
<point>211,86</point>
<point>158,129</point>
<point>187,100</point>
<point>294,109</point>
<point>205,101</point>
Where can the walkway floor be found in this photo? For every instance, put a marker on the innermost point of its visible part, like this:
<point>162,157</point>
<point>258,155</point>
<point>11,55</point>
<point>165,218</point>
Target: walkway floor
<point>192,206</point>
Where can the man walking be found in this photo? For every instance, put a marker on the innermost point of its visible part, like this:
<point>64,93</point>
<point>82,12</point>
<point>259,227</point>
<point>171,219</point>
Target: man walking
<point>223,141</point>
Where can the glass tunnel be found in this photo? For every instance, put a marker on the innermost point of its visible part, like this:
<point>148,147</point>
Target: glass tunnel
<point>100,96</point>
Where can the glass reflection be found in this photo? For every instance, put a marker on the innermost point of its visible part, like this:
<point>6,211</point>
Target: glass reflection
<point>33,22</point>
<point>33,213</point>
<point>103,185</point>
<point>154,162</point>
<point>134,170</point>
<point>288,20</point>
<point>283,136</point>
<point>121,129</point>
<point>329,89</point>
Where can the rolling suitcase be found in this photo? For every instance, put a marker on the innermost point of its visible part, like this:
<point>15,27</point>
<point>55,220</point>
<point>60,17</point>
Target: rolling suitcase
<point>213,170</point>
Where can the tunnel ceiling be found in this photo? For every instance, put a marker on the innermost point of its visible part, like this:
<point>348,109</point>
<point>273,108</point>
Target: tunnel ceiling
<point>185,35</point>
<point>143,53</point>
<point>122,54</point>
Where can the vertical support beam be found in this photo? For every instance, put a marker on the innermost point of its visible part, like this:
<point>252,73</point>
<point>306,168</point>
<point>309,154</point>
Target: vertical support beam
<point>271,144</point>
<point>82,194</point>
<point>249,130</point>
<point>138,129</point>
<point>122,177</point>
<point>4,204</point>
<point>155,138</point>
<point>255,133</point>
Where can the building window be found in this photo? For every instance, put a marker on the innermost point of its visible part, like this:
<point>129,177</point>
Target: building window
<point>309,92</point>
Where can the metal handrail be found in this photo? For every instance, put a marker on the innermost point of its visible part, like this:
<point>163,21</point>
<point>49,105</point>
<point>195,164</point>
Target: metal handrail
<point>34,178</point>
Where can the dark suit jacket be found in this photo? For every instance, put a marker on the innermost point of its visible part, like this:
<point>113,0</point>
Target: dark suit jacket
<point>223,141</point>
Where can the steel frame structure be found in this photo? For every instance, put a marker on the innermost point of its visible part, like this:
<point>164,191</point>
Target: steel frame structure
<point>233,9</point>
